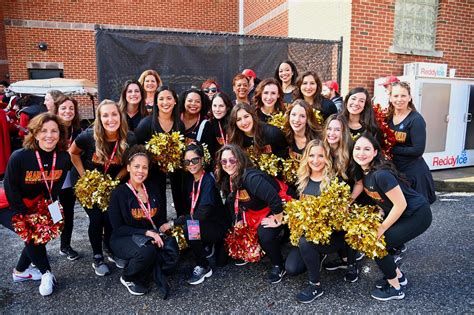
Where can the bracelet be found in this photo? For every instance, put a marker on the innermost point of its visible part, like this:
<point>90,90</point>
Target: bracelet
<point>171,223</point>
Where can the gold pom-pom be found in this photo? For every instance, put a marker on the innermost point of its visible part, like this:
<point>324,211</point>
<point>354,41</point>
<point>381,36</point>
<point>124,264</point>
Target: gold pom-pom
<point>290,168</point>
<point>266,162</point>
<point>319,116</point>
<point>167,150</point>
<point>178,233</point>
<point>278,120</point>
<point>95,188</point>
<point>207,154</point>
<point>361,231</point>
<point>337,197</point>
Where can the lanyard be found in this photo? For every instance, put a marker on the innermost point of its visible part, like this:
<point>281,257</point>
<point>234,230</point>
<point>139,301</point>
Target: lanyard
<point>195,196</point>
<point>222,133</point>
<point>109,161</point>
<point>236,203</point>
<point>146,210</point>
<point>43,175</point>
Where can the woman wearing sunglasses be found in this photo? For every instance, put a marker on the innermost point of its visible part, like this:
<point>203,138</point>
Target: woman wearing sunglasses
<point>210,88</point>
<point>253,198</point>
<point>204,222</point>
<point>246,131</point>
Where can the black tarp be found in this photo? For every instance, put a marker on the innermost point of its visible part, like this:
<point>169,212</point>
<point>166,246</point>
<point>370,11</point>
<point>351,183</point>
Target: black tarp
<point>185,59</point>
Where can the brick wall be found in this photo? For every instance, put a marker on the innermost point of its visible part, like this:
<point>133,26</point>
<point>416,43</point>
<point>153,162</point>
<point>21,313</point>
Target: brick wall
<point>3,49</point>
<point>255,9</point>
<point>278,26</point>
<point>372,35</point>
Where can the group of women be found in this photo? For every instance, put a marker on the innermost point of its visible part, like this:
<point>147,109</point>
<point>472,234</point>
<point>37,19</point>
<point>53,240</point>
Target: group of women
<point>227,190</point>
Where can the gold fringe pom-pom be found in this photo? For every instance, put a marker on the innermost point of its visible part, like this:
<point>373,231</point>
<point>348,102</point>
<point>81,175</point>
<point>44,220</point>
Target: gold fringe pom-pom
<point>278,120</point>
<point>319,116</point>
<point>337,197</point>
<point>266,162</point>
<point>361,231</point>
<point>290,168</point>
<point>167,150</point>
<point>207,154</point>
<point>95,188</point>
<point>178,233</point>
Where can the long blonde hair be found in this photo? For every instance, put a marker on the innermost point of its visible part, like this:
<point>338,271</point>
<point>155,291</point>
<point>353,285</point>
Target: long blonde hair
<point>304,171</point>
<point>339,158</point>
<point>100,137</point>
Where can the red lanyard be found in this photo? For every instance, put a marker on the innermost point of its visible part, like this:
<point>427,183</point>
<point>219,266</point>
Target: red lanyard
<point>146,210</point>
<point>222,133</point>
<point>107,164</point>
<point>195,196</point>
<point>43,175</point>
<point>236,202</point>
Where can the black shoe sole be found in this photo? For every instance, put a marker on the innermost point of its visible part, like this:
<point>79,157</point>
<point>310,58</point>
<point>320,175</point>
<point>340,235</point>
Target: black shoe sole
<point>314,298</point>
<point>395,297</point>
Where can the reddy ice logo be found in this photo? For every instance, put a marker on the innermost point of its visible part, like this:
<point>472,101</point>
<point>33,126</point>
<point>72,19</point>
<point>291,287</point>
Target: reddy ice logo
<point>452,160</point>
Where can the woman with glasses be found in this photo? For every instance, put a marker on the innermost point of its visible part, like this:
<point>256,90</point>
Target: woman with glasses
<point>246,131</point>
<point>308,88</point>
<point>193,106</point>
<point>210,88</point>
<point>268,99</point>
<point>132,103</point>
<point>410,134</point>
<point>164,119</point>
<point>150,80</point>
<point>253,198</point>
<point>205,222</point>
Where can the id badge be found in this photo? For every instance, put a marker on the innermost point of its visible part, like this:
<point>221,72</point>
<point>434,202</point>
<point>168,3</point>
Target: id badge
<point>194,232</point>
<point>54,210</point>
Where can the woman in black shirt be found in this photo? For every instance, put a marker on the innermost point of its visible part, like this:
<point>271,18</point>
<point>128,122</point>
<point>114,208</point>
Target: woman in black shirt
<point>132,103</point>
<point>135,217</point>
<point>407,214</point>
<point>268,99</point>
<point>220,109</point>
<point>37,171</point>
<point>359,113</point>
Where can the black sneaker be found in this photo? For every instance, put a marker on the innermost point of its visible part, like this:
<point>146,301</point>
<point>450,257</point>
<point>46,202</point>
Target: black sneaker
<point>200,274</point>
<point>310,293</point>
<point>209,250</point>
<point>359,256</point>
<point>100,267</point>
<point>276,274</point>
<point>387,293</point>
<point>133,288</point>
<point>379,284</point>
<point>352,273</point>
<point>335,265</point>
<point>119,262</point>
<point>70,253</point>
<point>240,262</point>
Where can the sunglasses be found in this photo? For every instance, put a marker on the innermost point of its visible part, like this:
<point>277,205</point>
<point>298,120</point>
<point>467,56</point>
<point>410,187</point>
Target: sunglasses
<point>193,161</point>
<point>231,161</point>
<point>213,90</point>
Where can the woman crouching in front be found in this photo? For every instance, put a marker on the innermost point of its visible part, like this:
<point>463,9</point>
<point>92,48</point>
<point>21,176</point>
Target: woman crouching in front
<point>135,216</point>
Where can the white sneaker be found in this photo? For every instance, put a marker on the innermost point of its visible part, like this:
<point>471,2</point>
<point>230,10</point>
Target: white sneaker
<point>31,273</point>
<point>47,284</point>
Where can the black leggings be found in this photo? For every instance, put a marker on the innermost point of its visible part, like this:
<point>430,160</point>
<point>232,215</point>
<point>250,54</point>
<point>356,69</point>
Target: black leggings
<point>99,229</point>
<point>158,180</point>
<point>211,232</point>
<point>402,231</point>
<point>271,245</point>
<point>67,199</point>
<point>31,252</point>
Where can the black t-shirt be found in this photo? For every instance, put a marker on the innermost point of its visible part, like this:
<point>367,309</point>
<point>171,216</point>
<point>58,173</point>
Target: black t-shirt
<point>377,183</point>
<point>134,121</point>
<point>220,132</point>
<point>262,116</point>
<point>126,216</point>
<point>356,132</point>
<point>410,135</point>
<point>148,127</point>
<point>207,135</point>
<point>23,177</point>
<point>274,141</point>
<point>312,189</point>
<point>327,108</point>
<point>85,141</point>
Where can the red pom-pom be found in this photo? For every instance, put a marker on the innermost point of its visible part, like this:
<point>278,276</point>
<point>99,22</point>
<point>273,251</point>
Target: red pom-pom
<point>242,243</point>
<point>389,140</point>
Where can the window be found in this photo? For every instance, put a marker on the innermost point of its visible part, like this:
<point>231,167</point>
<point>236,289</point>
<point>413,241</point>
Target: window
<point>415,27</point>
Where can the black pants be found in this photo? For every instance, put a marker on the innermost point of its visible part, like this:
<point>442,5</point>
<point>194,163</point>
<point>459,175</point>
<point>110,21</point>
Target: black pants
<point>402,231</point>
<point>158,181</point>
<point>31,252</point>
<point>67,199</point>
<point>268,239</point>
<point>310,251</point>
<point>211,232</point>
<point>99,229</point>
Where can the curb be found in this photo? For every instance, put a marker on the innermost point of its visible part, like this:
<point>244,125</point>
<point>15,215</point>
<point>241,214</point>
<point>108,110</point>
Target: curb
<point>453,186</point>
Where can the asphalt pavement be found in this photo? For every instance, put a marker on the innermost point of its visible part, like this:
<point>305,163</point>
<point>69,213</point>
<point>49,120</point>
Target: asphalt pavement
<point>438,265</point>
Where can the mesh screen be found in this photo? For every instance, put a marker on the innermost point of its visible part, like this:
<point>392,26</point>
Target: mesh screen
<point>185,59</point>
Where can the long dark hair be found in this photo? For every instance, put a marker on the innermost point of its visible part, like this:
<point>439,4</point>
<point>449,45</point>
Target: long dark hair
<point>257,98</point>
<point>222,178</point>
<point>227,103</point>
<point>202,96</point>
<point>313,130</point>
<point>367,116</point>
<point>123,98</point>
<point>317,97</point>
<point>236,136</point>
<point>293,69</point>
<point>174,114</point>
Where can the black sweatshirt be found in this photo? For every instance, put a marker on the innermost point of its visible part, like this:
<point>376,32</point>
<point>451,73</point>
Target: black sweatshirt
<point>217,131</point>
<point>23,176</point>
<point>274,141</point>
<point>147,128</point>
<point>126,216</point>
<point>411,139</point>
<point>85,141</point>
<point>208,137</point>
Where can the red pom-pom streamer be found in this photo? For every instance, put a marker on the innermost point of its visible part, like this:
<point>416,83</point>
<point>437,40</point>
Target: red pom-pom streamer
<point>389,140</point>
<point>242,243</point>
